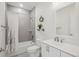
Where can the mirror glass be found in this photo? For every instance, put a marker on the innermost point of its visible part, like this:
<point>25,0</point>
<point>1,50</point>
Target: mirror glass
<point>63,21</point>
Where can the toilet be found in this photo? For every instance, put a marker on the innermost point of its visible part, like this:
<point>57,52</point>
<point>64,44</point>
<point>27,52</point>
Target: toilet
<point>33,51</point>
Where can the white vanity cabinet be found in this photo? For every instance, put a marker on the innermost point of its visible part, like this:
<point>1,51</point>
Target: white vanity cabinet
<point>44,51</point>
<point>49,51</point>
<point>54,52</point>
<point>63,54</point>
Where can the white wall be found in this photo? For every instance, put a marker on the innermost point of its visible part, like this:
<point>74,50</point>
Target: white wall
<point>2,22</point>
<point>45,10</point>
<point>75,24</point>
<point>2,30</point>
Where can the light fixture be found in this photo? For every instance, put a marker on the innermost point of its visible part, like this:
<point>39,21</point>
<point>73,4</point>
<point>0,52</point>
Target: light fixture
<point>19,10</point>
<point>21,5</point>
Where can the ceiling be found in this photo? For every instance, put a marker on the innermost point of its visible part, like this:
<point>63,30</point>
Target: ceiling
<point>25,5</point>
<point>60,5</point>
<point>30,5</point>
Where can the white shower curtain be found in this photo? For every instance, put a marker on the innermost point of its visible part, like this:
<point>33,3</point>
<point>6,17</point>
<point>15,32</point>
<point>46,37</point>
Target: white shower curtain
<point>10,46</point>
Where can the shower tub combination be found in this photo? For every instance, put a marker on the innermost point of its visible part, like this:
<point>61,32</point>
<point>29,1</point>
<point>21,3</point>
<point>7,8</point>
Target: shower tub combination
<point>32,50</point>
<point>21,32</point>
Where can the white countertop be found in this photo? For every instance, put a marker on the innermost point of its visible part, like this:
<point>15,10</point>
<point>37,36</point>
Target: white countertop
<point>69,48</point>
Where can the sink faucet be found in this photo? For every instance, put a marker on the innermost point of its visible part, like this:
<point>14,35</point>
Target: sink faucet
<point>56,39</point>
<point>61,41</point>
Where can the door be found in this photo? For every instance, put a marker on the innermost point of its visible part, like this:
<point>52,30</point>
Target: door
<point>2,29</point>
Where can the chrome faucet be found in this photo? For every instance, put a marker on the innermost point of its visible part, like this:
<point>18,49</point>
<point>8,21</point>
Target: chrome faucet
<point>56,39</point>
<point>61,40</point>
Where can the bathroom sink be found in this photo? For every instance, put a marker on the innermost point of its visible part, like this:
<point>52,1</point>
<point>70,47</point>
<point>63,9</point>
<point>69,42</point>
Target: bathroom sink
<point>52,43</point>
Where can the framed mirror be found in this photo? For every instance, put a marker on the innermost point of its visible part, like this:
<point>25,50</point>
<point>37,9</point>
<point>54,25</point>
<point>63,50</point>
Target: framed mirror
<point>63,21</point>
